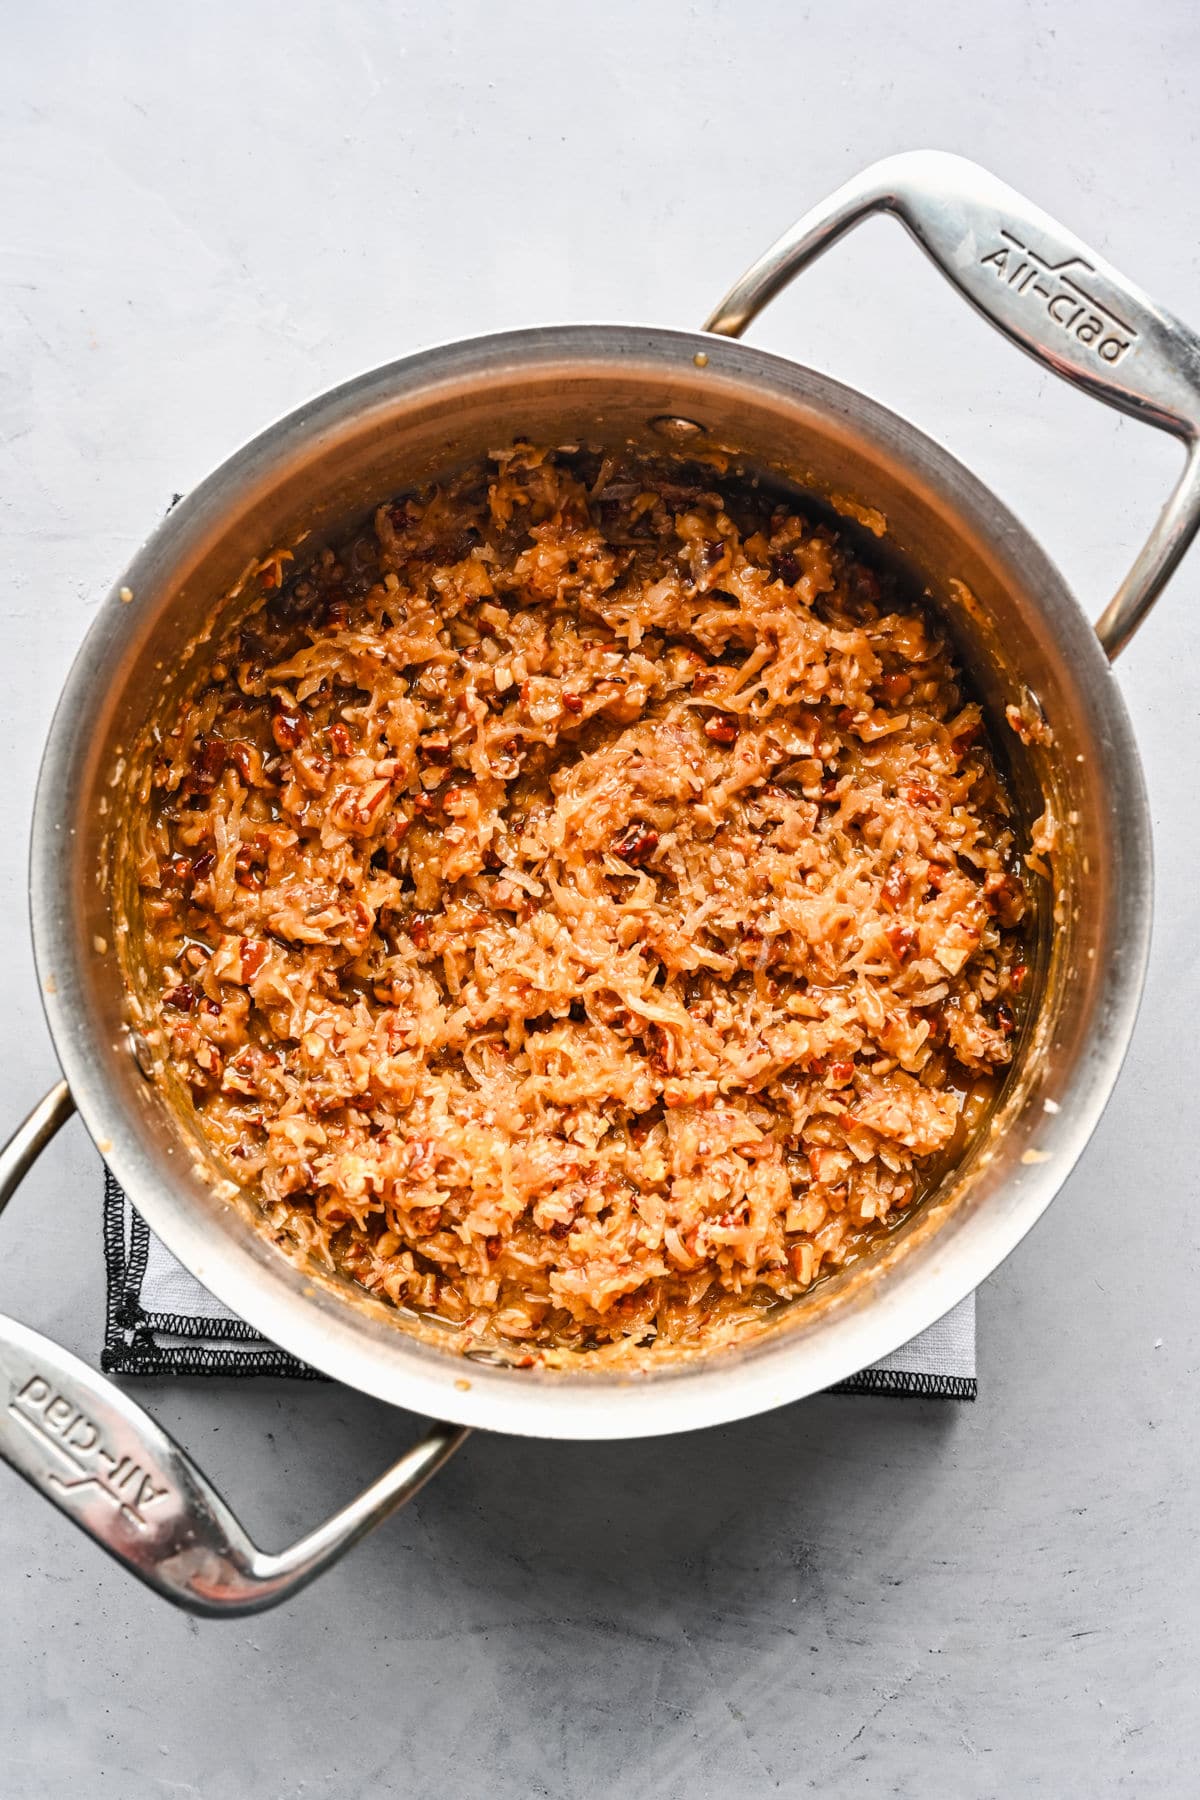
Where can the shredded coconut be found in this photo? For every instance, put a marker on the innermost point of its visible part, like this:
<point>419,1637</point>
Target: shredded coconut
<point>583,906</point>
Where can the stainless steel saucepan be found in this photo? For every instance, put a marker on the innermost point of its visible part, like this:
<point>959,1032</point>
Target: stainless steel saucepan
<point>1026,639</point>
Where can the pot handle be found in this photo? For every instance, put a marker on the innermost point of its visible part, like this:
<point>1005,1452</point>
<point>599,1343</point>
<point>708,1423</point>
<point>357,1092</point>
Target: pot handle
<point>78,1439</point>
<point>1044,289</point>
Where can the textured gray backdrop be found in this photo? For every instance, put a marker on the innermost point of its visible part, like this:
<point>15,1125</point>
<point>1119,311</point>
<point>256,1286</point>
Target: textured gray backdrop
<point>206,214</point>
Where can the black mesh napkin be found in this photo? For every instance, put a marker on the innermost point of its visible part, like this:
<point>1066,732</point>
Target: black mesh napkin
<point>161,1321</point>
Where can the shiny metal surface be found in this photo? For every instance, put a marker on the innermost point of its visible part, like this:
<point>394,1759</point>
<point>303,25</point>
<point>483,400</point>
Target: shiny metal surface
<point>1018,627</point>
<point>116,1474</point>
<point>1027,643</point>
<point>31,1137</point>
<point>1049,293</point>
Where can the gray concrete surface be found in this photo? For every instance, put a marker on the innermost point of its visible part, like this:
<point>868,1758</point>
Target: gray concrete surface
<point>208,213</point>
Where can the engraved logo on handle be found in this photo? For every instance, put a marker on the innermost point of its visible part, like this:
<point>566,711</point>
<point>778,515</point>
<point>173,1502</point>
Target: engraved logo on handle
<point>59,1424</point>
<point>1063,288</point>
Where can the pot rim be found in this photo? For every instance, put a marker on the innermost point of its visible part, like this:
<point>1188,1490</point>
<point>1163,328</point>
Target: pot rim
<point>724,1385</point>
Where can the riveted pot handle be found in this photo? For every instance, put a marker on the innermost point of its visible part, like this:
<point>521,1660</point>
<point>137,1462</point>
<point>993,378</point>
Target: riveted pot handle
<point>1045,290</point>
<point>102,1460</point>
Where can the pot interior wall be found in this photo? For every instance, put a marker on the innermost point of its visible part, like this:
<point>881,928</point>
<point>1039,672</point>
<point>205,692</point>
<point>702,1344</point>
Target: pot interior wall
<point>1023,639</point>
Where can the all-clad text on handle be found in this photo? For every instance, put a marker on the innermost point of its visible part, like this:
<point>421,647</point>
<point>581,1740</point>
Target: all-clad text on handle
<point>105,1463</point>
<point>1047,291</point>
